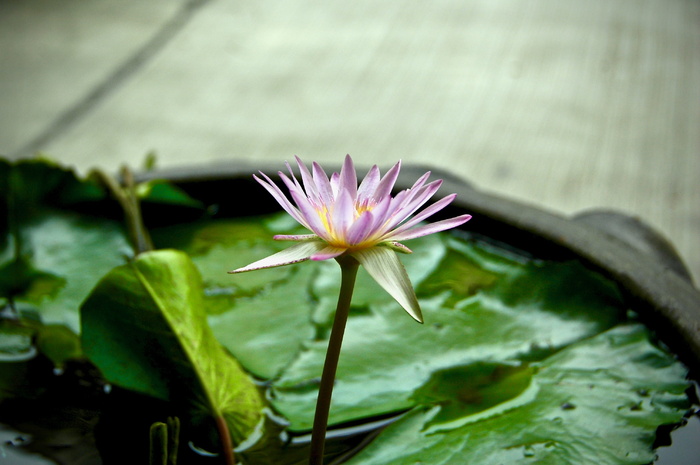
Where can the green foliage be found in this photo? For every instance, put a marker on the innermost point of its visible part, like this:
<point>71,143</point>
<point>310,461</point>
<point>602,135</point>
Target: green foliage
<point>489,359</point>
<point>597,401</point>
<point>520,361</point>
<point>144,326</point>
<point>58,343</point>
<point>53,254</point>
<point>386,358</point>
<point>163,192</point>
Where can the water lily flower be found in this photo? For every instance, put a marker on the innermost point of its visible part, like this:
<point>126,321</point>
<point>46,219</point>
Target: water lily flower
<point>365,222</point>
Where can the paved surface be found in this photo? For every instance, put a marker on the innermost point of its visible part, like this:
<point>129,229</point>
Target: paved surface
<point>567,105</point>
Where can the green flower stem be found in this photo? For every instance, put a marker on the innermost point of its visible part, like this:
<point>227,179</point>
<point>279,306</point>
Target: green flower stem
<point>348,267</point>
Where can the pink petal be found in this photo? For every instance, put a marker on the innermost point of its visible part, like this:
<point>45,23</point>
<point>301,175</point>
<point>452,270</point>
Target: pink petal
<point>409,207</point>
<point>348,178</point>
<point>291,175</point>
<point>422,195</point>
<point>416,187</point>
<point>292,185</point>
<point>381,213</point>
<point>387,183</point>
<point>279,196</point>
<point>294,254</point>
<point>310,214</point>
<point>309,184</point>
<point>343,213</point>
<point>431,210</point>
<point>360,229</point>
<point>328,252</point>
<point>384,266</point>
<point>323,184</point>
<point>429,228</point>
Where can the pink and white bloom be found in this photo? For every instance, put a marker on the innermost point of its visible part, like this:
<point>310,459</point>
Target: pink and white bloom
<point>365,222</point>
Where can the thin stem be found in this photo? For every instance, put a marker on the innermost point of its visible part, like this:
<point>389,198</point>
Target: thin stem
<point>226,444</point>
<point>142,238</point>
<point>126,196</point>
<point>348,267</point>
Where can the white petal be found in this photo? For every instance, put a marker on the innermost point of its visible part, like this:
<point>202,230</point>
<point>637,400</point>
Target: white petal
<point>335,181</point>
<point>294,254</point>
<point>295,237</point>
<point>397,246</point>
<point>328,252</point>
<point>384,266</point>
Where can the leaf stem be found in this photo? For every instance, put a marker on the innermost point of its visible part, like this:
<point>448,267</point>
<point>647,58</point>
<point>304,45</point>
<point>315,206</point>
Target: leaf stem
<point>226,444</point>
<point>348,267</point>
<point>127,198</point>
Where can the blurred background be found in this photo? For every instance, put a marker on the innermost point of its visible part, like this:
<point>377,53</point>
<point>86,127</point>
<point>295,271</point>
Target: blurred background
<point>566,105</point>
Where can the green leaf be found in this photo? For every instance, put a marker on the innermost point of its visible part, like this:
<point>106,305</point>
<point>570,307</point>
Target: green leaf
<point>51,256</point>
<point>78,250</point>
<point>222,245</point>
<point>21,280</point>
<point>266,332</point>
<point>465,391</point>
<point>262,318</point>
<point>598,401</point>
<point>58,343</point>
<point>163,192</point>
<point>144,326</point>
<point>494,321</point>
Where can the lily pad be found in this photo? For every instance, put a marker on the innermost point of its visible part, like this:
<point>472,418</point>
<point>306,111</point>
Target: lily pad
<point>598,401</point>
<point>54,252</point>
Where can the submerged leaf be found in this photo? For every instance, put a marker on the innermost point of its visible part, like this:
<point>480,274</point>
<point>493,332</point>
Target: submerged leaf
<point>144,326</point>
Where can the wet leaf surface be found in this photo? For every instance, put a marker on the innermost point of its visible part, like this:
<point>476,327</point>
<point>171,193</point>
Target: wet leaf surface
<point>597,401</point>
